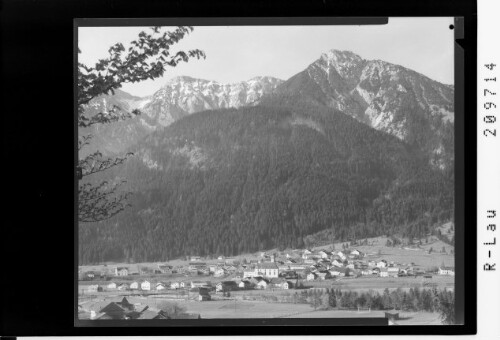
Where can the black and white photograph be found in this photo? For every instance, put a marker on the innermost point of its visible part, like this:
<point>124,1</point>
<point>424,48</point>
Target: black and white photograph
<point>267,171</point>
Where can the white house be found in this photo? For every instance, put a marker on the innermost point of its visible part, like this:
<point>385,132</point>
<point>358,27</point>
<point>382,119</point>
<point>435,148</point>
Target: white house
<point>198,284</point>
<point>249,272</point>
<point>393,271</point>
<point>384,272</point>
<point>356,253</point>
<point>367,272</point>
<point>112,285</point>
<point>311,277</point>
<point>160,286</point>
<point>121,271</point>
<point>244,284</point>
<point>219,272</point>
<point>350,266</point>
<point>286,285</point>
<point>337,263</point>
<point>92,288</point>
<point>134,285</point>
<point>446,271</point>
<point>382,264</point>
<point>174,285</point>
<point>145,285</point>
<point>123,286</point>
<point>262,284</point>
<point>306,253</point>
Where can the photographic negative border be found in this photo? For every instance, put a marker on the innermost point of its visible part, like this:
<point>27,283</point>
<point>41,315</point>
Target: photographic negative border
<point>39,41</point>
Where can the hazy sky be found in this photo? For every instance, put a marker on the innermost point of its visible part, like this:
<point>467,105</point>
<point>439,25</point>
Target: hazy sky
<point>236,53</point>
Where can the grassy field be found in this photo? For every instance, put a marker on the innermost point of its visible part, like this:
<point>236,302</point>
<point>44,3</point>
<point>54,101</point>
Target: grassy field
<point>239,309</point>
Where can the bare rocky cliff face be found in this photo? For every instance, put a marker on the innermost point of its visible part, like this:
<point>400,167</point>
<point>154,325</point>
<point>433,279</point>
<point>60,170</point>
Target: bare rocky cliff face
<point>179,97</point>
<point>385,96</point>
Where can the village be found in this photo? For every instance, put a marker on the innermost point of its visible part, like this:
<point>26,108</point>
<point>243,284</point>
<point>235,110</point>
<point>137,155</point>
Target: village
<point>200,279</point>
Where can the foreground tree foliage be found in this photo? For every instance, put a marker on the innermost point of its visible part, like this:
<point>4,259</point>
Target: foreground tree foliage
<point>145,58</point>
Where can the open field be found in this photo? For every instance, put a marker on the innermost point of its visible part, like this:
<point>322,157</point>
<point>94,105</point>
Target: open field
<point>239,309</point>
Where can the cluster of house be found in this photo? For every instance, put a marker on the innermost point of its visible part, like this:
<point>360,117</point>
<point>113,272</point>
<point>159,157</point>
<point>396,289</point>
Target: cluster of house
<point>124,310</point>
<point>273,271</point>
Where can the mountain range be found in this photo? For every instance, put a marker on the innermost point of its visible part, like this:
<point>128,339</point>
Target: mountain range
<point>359,147</point>
<point>178,98</point>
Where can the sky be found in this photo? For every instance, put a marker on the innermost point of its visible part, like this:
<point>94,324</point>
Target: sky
<point>238,53</point>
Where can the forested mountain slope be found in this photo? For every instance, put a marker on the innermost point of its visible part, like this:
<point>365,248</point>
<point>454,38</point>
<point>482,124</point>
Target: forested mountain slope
<point>240,180</point>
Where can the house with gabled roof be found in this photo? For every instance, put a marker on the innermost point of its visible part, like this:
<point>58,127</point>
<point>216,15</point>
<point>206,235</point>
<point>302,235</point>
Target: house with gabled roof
<point>262,284</point>
<point>311,277</point>
<point>225,286</point>
<point>244,284</point>
<point>123,286</point>
<point>134,285</point>
<point>446,271</point>
<point>324,254</point>
<point>201,284</point>
<point>393,271</point>
<point>323,275</point>
<point>382,264</point>
<point>93,288</point>
<point>160,286</point>
<point>165,268</point>
<point>384,272</point>
<point>145,285</point>
<point>337,271</point>
<point>121,271</point>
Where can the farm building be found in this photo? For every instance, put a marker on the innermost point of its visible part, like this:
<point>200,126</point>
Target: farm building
<point>204,297</point>
<point>165,269</point>
<point>145,285</point>
<point>311,277</point>
<point>324,254</point>
<point>112,285</point>
<point>356,253</point>
<point>121,271</point>
<point>198,284</point>
<point>225,286</point>
<point>393,271</point>
<point>446,271</point>
<point>122,286</point>
<point>392,314</point>
<point>134,285</point>
<point>323,275</point>
<point>194,266</point>
<point>219,272</point>
<point>366,272</point>
<point>382,264</point>
<point>161,286</point>
<point>262,284</point>
<point>384,272</point>
<point>244,284</point>
<point>93,289</point>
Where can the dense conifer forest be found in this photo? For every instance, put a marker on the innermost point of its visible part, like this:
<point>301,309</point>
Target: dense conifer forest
<point>240,180</point>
